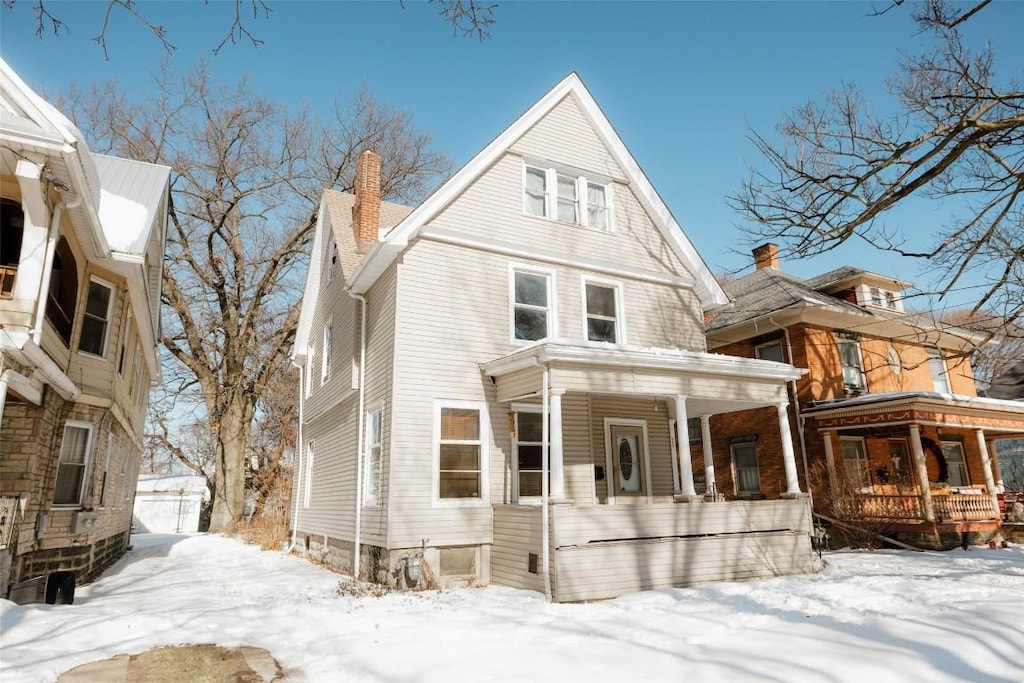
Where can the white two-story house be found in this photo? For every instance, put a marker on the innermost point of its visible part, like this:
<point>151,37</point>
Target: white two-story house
<point>81,261</point>
<point>497,384</point>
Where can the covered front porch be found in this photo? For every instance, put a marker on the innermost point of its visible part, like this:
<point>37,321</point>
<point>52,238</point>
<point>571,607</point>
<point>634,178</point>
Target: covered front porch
<point>917,463</point>
<point>602,494</point>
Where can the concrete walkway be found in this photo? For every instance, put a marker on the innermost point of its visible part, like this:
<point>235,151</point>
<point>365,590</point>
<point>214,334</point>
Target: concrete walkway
<point>177,665</point>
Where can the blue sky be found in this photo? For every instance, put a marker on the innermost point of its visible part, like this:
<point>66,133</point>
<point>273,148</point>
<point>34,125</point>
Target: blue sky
<point>680,81</point>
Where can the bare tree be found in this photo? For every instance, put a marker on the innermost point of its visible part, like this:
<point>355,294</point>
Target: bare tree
<point>247,177</point>
<point>467,17</point>
<point>959,136</point>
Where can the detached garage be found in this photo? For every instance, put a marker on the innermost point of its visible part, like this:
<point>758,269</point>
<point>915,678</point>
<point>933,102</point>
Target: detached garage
<point>168,504</point>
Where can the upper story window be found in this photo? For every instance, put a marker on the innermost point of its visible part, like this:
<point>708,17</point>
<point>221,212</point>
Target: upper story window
<point>325,365</point>
<point>849,356</point>
<point>602,303</point>
<point>12,227</point>
<point>96,318</point>
<point>566,196</point>
<point>876,296</point>
<point>890,300</point>
<point>74,459</point>
<point>940,374</point>
<point>532,304</point>
<point>770,351</point>
<point>331,259</point>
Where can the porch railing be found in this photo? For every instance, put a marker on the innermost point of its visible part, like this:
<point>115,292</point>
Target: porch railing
<point>951,507</point>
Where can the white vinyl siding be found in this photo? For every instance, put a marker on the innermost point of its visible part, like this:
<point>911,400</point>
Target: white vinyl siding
<point>99,304</point>
<point>328,352</point>
<point>74,463</point>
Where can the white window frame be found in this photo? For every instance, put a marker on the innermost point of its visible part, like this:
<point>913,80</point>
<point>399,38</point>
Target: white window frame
<point>111,300</point>
<point>308,374</point>
<point>325,357</point>
<point>581,182</point>
<point>90,429</point>
<point>620,308</point>
<point>960,465</point>
<point>484,438</point>
<point>552,306</point>
<point>516,409</point>
<point>890,300</point>
<point>843,337</point>
<point>307,479</point>
<point>864,459</point>
<point>373,491</point>
<point>735,469</point>
<point>935,359</point>
<point>331,259</point>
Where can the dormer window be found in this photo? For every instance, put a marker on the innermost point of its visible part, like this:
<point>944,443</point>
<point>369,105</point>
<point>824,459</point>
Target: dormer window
<point>566,196</point>
<point>890,300</point>
<point>876,296</point>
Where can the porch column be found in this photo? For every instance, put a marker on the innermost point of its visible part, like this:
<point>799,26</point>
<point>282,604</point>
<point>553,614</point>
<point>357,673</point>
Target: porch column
<point>685,462</point>
<point>788,456</point>
<point>557,463</point>
<point>709,459</point>
<point>830,463</point>
<point>922,473</point>
<point>986,467</point>
<point>32,266</point>
<point>997,473</point>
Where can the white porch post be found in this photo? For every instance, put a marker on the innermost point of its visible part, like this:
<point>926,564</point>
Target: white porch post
<point>997,473</point>
<point>986,467</point>
<point>685,462</point>
<point>557,458</point>
<point>788,456</point>
<point>830,462</point>
<point>709,459</point>
<point>922,473</point>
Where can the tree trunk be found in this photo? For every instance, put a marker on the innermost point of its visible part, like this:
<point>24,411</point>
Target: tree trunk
<point>229,503</point>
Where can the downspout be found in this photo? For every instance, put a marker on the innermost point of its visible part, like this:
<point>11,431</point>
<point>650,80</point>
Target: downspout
<point>359,441</point>
<point>299,479</point>
<point>44,281</point>
<point>791,385</point>
<point>545,533</point>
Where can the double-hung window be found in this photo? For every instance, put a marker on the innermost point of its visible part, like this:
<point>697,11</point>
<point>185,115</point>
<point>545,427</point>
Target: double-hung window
<point>602,302</point>
<point>940,374</point>
<point>953,452</point>
<point>372,473</point>
<point>74,460</point>
<point>567,196</point>
<point>96,319</point>
<point>529,453</point>
<point>849,356</point>
<point>744,463</point>
<point>532,304</point>
<point>461,436</point>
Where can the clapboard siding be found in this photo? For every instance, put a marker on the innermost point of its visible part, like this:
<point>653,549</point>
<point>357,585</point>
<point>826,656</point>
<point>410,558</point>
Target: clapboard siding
<point>517,533</point>
<point>580,525</point>
<point>576,451</point>
<point>608,570</point>
<point>332,496</point>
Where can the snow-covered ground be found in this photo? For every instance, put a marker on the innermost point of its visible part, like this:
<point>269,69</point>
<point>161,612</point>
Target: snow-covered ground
<point>874,617</point>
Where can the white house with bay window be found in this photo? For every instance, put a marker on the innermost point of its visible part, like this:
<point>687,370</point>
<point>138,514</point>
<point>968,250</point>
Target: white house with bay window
<point>81,262</point>
<point>515,367</point>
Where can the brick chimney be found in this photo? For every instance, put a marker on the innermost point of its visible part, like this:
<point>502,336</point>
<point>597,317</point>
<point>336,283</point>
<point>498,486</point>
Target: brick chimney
<point>766,256</point>
<point>366,211</point>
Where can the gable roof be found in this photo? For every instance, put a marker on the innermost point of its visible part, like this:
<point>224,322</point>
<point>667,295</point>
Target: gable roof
<point>132,195</point>
<point>385,251</point>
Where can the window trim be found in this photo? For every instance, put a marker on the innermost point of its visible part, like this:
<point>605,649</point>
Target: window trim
<point>961,464</point>
<point>91,431</point>
<point>102,355</point>
<point>864,459</point>
<point>774,342</point>
<point>735,469</point>
<point>376,501</point>
<point>552,307</point>
<point>843,337</point>
<point>620,308</point>
<point>581,181</point>
<point>326,365</point>
<point>484,499</point>
<point>935,354</point>
<point>538,410</point>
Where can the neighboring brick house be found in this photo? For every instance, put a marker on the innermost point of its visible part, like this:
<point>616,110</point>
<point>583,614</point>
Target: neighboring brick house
<point>888,401</point>
<point>81,263</point>
<point>545,278</point>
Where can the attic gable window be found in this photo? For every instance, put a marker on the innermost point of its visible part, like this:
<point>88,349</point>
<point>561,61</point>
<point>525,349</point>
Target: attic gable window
<point>566,196</point>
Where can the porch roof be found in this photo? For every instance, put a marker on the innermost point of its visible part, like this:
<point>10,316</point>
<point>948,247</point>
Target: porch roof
<point>920,407</point>
<point>712,383</point>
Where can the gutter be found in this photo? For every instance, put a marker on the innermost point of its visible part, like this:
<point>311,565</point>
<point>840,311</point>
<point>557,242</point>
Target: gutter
<point>360,445</point>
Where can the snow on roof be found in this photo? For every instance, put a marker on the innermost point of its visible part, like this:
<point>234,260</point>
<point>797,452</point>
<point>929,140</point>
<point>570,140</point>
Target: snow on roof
<point>131,194</point>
